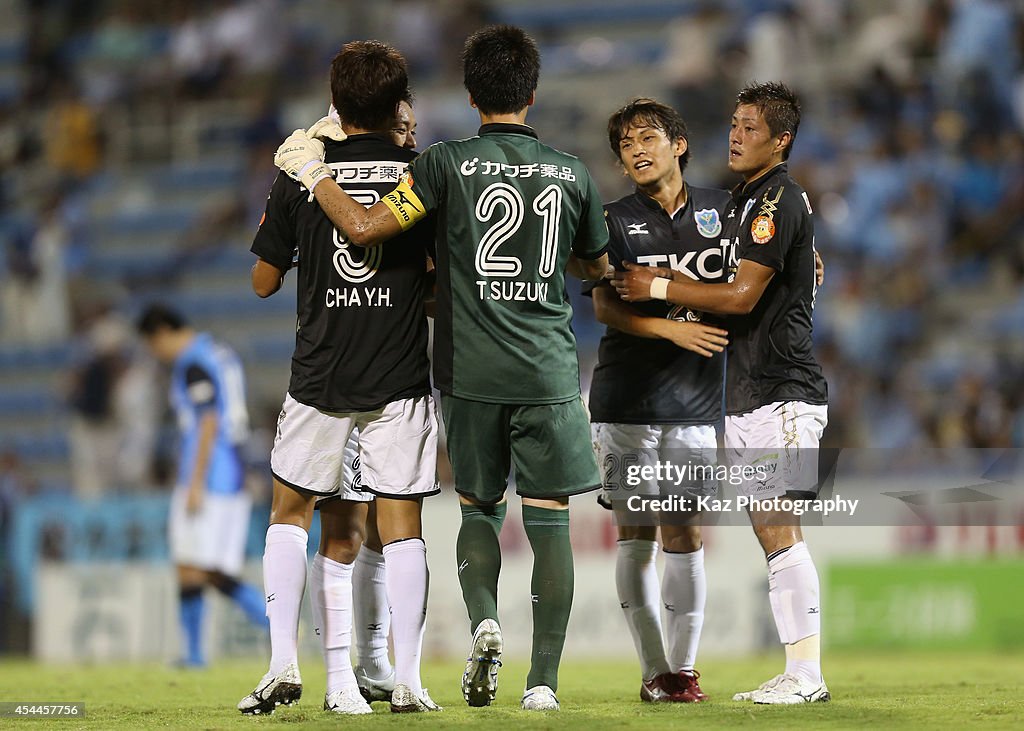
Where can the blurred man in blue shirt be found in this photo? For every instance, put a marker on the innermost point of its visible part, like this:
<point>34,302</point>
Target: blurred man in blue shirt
<point>210,509</point>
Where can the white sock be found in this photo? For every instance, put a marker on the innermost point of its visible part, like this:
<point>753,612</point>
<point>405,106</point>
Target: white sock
<point>636,580</point>
<point>793,591</point>
<point>803,659</point>
<point>406,579</point>
<point>284,580</point>
<point>371,614</point>
<point>684,588</point>
<point>330,593</point>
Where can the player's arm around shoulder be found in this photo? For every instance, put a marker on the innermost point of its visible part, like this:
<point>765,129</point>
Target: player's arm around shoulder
<point>301,158</point>
<point>367,227</point>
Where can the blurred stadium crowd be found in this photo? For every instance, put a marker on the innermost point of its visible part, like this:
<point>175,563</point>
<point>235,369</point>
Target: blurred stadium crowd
<point>136,142</point>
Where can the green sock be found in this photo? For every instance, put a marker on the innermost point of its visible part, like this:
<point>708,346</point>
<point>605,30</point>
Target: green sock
<point>479,557</point>
<point>552,586</point>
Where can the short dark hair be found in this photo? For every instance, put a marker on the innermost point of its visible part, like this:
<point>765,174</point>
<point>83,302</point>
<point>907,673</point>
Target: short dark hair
<point>778,104</point>
<point>368,80</point>
<point>648,113</point>
<point>158,317</point>
<point>500,68</point>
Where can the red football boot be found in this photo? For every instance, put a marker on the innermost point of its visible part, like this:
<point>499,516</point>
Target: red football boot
<point>687,689</point>
<point>659,689</point>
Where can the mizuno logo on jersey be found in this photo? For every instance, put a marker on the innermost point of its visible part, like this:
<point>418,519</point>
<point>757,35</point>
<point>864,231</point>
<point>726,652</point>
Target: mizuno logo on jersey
<point>638,228</point>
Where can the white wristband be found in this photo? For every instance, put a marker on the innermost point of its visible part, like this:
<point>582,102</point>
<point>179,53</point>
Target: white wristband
<point>659,288</point>
<point>312,173</point>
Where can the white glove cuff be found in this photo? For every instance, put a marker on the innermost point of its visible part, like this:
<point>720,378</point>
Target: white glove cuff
<point>310,175</point>
<point>659,288</point>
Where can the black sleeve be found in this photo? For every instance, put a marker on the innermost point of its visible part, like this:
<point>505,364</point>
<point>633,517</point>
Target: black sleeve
<point>200,386</point>
<point>275,240</point>
<point>427,229</point>
<point>779,217</point>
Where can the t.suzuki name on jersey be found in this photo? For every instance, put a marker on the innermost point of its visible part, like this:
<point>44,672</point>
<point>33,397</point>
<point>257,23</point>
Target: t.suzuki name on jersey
<point>355,297</point>
<point>513,291</point>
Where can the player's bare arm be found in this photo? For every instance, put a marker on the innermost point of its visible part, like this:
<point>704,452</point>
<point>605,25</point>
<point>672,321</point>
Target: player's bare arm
<point>266,278</point>
<point>819,269</point>
<point>698,337</point>
<point>587,268</point>
<point>361,226</point>
<point>738,297</point>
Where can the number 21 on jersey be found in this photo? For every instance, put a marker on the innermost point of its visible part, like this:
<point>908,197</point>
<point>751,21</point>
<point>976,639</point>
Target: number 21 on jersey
<point>547,205</point>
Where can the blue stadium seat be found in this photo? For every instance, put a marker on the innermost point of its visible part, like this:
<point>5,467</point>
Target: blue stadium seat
<point>11,50</point>
<point>149,220</point>
<point>226,174</point>
<point>46,357</point>
<point>28,400</point>
<point>553,15</point>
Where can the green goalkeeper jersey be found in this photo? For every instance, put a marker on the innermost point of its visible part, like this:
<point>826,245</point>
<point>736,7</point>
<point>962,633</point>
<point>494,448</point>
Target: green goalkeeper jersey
<point>510,211</point>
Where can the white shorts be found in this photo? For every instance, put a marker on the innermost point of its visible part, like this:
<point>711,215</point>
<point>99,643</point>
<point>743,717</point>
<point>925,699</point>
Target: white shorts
<point>351,475</point>
<point>780,443</point>
<point>396,457</point>
<point>214,538</point>
<point>623,449</point>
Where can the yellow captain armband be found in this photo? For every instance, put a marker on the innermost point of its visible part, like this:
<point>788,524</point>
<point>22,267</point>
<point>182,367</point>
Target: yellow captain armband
<point>405,204</point>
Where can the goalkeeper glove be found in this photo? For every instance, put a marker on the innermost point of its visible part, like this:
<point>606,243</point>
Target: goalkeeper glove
<point>302,159</point>
<point>327,128</point>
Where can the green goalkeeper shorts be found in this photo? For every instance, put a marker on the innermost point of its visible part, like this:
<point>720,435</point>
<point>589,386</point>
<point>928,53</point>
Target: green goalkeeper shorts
<point>548,444</point>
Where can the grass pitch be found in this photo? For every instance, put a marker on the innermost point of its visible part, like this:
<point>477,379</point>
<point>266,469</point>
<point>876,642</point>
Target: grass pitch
<point>887,691</point>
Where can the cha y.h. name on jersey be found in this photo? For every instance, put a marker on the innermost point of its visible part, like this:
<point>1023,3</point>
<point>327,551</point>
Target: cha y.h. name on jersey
<point>653,381</point>
<point>361,339</point>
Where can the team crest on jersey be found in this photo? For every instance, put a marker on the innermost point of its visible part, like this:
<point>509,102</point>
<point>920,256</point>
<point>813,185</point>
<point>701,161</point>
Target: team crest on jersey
<point>406,178</point>
<point>708,223</point>
<point>762,229</point>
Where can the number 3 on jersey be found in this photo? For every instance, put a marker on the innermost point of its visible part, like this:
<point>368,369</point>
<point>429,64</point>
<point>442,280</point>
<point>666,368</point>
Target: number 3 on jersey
<point>349,267</point>
<point>547,205</point>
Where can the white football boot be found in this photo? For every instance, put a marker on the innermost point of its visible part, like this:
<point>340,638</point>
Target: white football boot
<point>403,700</point>
<point>480,680</point>
<point>282,689</point>
<point>539,698</point>
<point>791,690</point>
<point>374,690</point>
<point>347,702</point>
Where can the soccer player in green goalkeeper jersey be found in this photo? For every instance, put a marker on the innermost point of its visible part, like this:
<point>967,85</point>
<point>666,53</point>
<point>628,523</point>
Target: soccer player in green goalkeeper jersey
<point>514,216</point>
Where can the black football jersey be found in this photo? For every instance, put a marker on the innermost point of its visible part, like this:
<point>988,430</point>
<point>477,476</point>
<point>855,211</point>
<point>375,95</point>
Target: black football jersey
<point>361,336</point>
<point>770,222</point>
<point>653,381</point>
